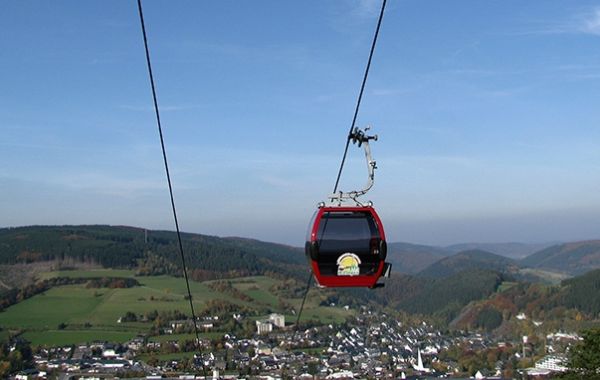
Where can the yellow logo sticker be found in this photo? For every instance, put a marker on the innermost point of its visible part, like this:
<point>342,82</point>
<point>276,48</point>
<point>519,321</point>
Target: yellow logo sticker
<point>348,265</point>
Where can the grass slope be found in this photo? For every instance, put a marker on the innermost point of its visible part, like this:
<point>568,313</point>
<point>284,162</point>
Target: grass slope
<point>75,305</point>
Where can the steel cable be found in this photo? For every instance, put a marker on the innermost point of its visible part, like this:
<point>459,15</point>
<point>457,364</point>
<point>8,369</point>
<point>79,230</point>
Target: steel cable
<point>360,95</point>
<point>164,154</point>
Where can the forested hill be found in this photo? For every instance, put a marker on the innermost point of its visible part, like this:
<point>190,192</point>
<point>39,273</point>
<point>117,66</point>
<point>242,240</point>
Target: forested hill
<point>573,258</point>
<point>576,299</point>
<point>413,258</point>
<point>442,297</point>
<point>152,252</point>
<point>473,259</point>
<point>511,250</point>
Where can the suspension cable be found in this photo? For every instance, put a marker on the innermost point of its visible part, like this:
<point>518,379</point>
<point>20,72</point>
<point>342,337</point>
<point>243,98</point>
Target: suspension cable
<point>308,283</point>
<point>362,88</point>
<point>164,154</point>
<point>337,181</point>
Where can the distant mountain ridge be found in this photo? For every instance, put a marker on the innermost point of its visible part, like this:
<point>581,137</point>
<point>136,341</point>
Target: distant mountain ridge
<point>472,259</point>
<point>122,246</point>
<point>412,258</point>
<point>573,258</point>
<point>512,250</point>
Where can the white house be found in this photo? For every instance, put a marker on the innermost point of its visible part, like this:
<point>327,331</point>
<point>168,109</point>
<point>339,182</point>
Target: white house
<point>277,319</point>
<point>264,327</point>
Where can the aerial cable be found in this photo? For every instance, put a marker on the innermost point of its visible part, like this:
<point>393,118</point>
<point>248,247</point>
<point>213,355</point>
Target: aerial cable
<point>164,154</point>
<point>349,138</point>
<point>362,88</point>
<point>308,283</point>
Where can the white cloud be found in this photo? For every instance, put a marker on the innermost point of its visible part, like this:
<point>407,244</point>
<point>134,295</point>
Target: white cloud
<point>587,22</point>
<point>590,24</point>
<point>367,8</point>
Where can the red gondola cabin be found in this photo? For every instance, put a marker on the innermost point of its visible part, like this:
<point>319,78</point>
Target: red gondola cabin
<point>346,247</point>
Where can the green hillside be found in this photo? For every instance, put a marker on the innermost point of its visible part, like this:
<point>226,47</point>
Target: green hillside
<point>573,304</point>
<point>582,293</point>
<point>153,252</point>
<point>440,299</point>
<point>79,313</point>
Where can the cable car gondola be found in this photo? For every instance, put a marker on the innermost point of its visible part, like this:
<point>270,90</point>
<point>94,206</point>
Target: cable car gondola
<point>346,245</point>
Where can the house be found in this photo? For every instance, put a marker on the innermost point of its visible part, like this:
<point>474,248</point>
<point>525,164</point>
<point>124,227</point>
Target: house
<point>206,325</point>
<point>29,374</point>
<point>180,323</point>
<point>109,352</point>
<point>264,327</point>
<point>554,363</point>
<point>136,343</point>
<point>277,320</point>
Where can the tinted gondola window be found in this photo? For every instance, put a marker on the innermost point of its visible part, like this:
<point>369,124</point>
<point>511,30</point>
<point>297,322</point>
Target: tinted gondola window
<point>346,232</point>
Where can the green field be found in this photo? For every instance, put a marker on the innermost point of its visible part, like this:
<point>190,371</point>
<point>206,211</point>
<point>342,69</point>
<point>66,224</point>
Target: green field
<point>88,273</point>
<point>505,285</point>
<point>548,276</point>
<point>92,313</point>
<point>67,337</point>
<point>182,337</point>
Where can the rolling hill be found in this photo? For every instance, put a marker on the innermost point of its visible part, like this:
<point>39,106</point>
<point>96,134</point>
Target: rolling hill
<point>473,259</point>
<point>555,306</point>
<point>413,258</point>
<point>572,258</point>
<point>153,252</point>
<point>511,250</point>
<point>469,287</point>
<point>441,298</point>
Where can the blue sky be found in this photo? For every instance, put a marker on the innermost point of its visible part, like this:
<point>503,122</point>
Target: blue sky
<point>487,114</point>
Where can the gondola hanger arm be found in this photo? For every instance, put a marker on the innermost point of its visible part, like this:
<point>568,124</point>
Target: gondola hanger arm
<point>359,137</point>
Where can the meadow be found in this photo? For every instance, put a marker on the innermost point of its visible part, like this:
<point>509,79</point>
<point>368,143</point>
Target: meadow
<point>75,314</point>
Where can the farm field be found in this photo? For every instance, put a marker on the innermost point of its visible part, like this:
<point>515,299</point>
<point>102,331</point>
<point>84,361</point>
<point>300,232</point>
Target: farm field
<point>75,314</point>
<point>88,273</point>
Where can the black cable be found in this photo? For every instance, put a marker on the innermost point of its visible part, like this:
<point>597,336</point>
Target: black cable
<point>308,283</point>
<point>164,153</point>
<point>362,88</point>
<point>337,181</point>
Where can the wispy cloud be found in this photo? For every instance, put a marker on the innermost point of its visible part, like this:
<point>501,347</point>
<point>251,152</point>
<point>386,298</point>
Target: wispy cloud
<point>506,92</point>
<point>590,23</point>
<point>293,54</point>
<point>367,8</point>
<point>167,108</point>
<point>431,160</point>
<point>586,22</point>
<point>390,91</point>
<point>109,184</point>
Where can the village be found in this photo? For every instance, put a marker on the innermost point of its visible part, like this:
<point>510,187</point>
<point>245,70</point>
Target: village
<point>371,345</point>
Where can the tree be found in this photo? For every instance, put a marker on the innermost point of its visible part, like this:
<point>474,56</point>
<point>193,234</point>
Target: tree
<point>313,368</point>
<point>584,358</point>
<point>129,317</point>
